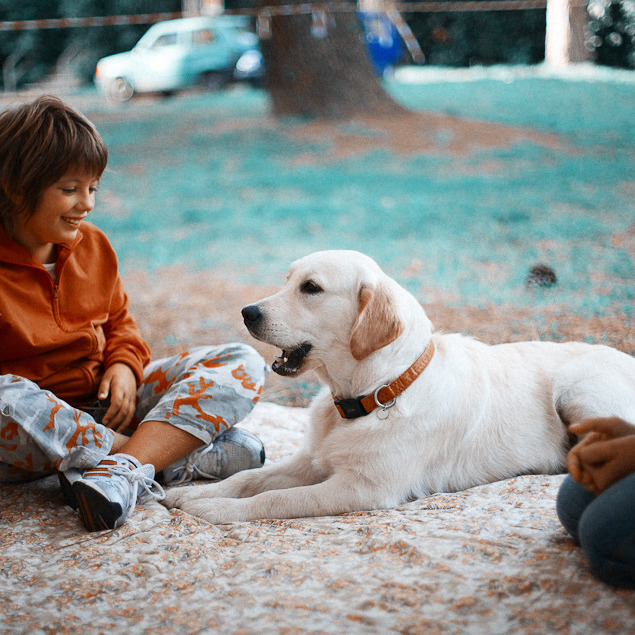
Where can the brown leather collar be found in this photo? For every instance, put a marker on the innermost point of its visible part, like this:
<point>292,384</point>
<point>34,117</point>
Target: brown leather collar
<point>384,397</point>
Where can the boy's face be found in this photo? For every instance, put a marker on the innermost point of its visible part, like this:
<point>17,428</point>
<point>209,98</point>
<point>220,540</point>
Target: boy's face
<point>60,211</point>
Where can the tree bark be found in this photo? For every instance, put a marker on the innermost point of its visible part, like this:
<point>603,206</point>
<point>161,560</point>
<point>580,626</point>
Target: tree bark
<point>318,67</point>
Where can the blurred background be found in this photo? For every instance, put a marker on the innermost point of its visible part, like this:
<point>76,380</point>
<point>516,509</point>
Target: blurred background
<point>481,151</point>
<point>603,31</point>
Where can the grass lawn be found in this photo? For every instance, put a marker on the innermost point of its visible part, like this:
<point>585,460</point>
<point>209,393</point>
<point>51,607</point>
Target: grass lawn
<point>212,181</point>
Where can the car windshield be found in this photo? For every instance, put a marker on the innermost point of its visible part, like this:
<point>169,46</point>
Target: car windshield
<point>168,39</point>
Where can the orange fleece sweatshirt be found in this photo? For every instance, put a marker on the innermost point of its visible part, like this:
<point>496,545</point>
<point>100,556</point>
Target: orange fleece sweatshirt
<point>63,335</point>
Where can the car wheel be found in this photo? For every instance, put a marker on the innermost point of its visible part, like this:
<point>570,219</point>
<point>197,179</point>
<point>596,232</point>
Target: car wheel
<point>213,80</point>
<point>120,90</point>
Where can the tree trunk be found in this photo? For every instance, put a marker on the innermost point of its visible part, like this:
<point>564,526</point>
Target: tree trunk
<point>318,66</point>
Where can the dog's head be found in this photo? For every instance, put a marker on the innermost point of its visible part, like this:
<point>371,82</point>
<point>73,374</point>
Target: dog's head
<point>335,310</point>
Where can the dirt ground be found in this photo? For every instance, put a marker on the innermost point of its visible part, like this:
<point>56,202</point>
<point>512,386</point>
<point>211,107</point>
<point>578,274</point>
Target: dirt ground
<point>414,133</point>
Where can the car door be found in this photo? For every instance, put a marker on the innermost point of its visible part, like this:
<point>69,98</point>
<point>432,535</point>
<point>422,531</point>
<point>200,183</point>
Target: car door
<point>210,51</point>
<point>158,65</point>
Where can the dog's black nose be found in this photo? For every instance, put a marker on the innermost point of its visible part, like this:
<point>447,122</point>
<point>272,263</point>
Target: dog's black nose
<point>251,314</point>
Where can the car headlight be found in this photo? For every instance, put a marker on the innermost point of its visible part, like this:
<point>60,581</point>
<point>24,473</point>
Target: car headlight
<point>249,62</point>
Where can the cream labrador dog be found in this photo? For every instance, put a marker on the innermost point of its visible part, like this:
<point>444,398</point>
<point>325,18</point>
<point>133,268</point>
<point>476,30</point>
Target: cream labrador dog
<point>406,412</point>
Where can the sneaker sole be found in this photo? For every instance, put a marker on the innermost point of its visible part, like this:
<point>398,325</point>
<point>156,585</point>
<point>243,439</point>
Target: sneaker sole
<point>67,491</point>
<point>95,510</point>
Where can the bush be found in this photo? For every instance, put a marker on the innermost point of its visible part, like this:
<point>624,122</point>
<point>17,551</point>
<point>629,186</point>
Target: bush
<point>488,37</point>
<point>39,50</point>
<point>612,32</point>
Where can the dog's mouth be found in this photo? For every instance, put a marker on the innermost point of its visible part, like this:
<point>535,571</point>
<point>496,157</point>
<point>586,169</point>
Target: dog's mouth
<point>290,362</point>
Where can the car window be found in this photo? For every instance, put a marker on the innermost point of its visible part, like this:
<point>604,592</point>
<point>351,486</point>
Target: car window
<point>168,39</point>
<point>202,37</point>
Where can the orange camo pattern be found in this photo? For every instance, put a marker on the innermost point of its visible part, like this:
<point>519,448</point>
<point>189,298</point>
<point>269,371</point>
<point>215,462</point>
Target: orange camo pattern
<point>258,393</point>
<point>242,376</point>
<point>82,430</point>
<point>213,363</point>
<point>192,400</point>
<point>56,408</point>
<point>159,376</point>
<point>9,432</point>
<point>27,464</point>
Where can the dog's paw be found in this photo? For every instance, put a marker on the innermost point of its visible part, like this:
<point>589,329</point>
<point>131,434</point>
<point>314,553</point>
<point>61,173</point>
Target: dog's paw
<point>214,510</point>
<point>176,496</point>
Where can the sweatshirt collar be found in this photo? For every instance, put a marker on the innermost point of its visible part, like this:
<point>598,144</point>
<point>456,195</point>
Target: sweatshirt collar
<point>13,252</point>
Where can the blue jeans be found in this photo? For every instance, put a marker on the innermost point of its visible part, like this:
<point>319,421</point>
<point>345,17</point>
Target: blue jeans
<point>604,526</point>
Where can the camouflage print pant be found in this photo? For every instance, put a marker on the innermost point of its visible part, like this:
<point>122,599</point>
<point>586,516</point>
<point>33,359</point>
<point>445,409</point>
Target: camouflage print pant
<point>204,392</point>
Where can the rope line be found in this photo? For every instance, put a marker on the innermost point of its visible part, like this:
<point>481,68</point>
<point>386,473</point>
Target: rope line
<point>109,20</point>
<point>449,6</point>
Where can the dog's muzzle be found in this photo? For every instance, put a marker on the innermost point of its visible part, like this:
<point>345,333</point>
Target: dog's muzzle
<point>291,361</point>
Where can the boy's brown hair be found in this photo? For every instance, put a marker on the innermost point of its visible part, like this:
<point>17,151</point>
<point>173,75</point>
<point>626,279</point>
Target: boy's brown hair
<point>40,142</point>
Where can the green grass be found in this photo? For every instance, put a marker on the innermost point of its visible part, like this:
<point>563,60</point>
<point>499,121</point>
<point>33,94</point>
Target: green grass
<point>209,181</point>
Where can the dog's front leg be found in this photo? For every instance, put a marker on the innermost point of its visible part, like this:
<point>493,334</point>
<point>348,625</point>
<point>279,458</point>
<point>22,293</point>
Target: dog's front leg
<point>293,472</point>
<point>338,494</point>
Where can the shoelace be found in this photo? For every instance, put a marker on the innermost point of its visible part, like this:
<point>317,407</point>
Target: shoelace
<point>190,467</point>
<point>136,477</point>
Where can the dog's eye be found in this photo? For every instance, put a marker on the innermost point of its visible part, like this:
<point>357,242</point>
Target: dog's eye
<point>310,287</point>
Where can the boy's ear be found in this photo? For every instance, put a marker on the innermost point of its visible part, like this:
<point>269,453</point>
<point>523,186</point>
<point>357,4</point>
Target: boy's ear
<point>377,324</point>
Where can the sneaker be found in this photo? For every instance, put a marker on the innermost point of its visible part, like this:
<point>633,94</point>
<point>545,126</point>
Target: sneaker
<point>108,493</point>
<point>66,483</point>
<point>233,451</point>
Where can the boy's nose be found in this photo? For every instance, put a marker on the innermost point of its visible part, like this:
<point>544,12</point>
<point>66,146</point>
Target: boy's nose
<point>87,201</point>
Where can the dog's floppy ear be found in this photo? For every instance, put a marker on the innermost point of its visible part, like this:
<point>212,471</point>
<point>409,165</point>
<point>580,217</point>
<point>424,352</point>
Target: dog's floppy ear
<point>377,323</point>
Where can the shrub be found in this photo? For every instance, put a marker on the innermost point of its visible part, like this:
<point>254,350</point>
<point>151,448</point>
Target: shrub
<point>612,32</point>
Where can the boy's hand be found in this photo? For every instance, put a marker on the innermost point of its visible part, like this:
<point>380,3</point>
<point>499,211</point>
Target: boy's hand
<point>120,383</point>
<point>605,455</point>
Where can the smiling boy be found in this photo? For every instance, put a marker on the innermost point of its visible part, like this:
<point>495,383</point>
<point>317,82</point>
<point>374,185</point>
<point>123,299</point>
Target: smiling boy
<point>70,349</point>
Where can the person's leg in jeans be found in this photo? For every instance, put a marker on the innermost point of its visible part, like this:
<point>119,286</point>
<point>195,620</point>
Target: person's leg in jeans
<point>571,503</point>
<point>604,526</point>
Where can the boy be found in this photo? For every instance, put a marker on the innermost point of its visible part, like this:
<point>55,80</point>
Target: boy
<point>69,347</point>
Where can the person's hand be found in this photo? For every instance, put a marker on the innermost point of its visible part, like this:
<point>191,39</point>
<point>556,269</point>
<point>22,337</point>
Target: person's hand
<point>605,455</point>
<point>120,383</point>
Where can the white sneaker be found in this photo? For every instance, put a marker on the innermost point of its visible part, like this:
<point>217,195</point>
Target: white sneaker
<point>233,451</point>
<point>107,494</point>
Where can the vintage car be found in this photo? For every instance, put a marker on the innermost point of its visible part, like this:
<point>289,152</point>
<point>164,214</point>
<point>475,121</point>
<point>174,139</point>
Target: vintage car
<point>177,54</point>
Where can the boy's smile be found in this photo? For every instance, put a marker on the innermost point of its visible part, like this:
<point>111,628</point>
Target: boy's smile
<point>58,216</point>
